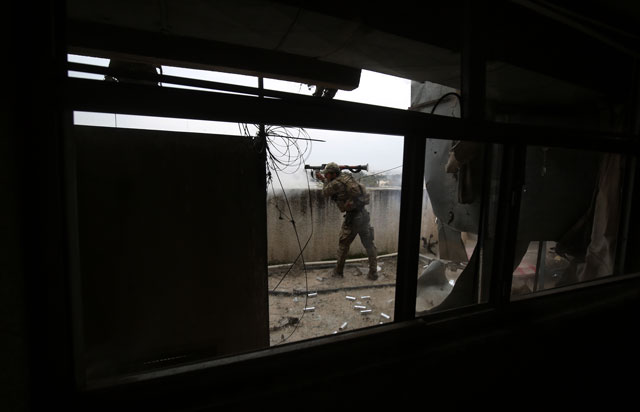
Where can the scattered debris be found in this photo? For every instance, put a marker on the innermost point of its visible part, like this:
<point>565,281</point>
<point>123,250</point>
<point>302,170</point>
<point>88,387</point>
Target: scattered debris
<point>328,315</point>
<point>284,322</point>
<point>384,315</point>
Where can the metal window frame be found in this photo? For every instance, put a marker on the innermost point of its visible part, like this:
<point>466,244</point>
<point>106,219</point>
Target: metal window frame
<point>82,95</point>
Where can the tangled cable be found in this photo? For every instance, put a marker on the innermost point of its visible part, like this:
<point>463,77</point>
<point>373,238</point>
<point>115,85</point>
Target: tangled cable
<point>287,149</point>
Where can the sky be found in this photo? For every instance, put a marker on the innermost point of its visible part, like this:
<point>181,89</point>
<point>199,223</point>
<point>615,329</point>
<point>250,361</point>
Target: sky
<point>380,152</point>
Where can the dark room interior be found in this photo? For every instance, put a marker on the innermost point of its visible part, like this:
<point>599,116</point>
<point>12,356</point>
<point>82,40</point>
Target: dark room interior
<point>123,265</point>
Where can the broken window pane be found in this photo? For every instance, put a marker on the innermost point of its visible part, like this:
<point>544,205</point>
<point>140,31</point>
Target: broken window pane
<point>572,203</point>
<point>448,271</point>
<point>454,175</point>
<point>306,230</point>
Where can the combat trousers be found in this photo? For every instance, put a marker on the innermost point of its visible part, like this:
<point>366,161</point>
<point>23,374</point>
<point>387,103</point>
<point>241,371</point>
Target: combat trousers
<point>355,223</point>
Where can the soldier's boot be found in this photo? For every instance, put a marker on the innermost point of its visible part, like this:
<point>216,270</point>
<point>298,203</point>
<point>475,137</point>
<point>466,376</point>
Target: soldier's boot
<point>338,271</point>
<point>343,251</point>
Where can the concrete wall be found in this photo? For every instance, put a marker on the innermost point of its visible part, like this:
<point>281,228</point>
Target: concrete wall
<point>318,222</point>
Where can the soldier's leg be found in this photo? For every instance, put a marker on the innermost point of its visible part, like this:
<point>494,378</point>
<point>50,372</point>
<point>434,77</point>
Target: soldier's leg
<point>347,234</point>
<point>367,241</point>
<point>367,238</point>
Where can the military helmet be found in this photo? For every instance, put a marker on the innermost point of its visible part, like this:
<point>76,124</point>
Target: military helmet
<point>331,167</point>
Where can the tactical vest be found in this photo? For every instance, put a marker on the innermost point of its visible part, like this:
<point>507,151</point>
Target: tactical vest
<point>354,196</point>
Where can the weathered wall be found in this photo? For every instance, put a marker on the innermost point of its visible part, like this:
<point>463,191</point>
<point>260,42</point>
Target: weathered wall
<point>318,223</point>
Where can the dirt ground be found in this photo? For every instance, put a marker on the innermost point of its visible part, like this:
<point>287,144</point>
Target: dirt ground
<point>336,305</point>
<point>333,300</point>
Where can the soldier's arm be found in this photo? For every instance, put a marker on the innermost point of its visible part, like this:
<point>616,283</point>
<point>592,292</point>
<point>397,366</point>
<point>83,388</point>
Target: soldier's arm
<point>329,188</point>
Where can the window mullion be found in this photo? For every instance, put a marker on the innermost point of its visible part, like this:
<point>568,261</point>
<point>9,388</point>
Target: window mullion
<point>409,230</point>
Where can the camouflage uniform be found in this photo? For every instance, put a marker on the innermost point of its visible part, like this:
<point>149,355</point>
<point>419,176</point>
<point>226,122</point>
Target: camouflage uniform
<point>351,197</point>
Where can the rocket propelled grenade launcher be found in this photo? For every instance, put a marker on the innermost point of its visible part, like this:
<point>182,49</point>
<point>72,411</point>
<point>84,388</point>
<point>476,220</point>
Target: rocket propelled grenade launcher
<point>352,169</point>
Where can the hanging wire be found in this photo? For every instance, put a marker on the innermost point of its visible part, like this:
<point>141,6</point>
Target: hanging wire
<point>287,149</point>
<point>444,96</point>
<point>302,249</point>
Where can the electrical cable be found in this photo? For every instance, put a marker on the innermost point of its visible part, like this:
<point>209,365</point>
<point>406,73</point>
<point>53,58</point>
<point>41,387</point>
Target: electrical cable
<point>433,109</point>
<point>302,249</point>
<point>301,255</point>
<point>286,150</point>
<point>454,143</point>
<point>306,295</point>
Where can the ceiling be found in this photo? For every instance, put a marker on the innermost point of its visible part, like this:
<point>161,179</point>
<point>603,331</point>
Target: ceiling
<point>538,52</point>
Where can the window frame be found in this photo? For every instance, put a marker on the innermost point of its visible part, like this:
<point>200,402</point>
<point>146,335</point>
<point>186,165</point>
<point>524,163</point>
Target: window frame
<point>131,99</point>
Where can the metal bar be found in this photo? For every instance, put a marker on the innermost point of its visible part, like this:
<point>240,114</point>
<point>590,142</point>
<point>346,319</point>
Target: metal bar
<point>473,62</point>
<point>473,101</point>
<point>34,131</point>
<point>262,129</point>
<point>494,155</point>
<point>630,195</point>
<point>184,81</point>
<point>508,210</point>
<point>74,267</point>
<point>538,283</point>
<point>409,227</point>
<point>109,41</point>
<point>97,96</point>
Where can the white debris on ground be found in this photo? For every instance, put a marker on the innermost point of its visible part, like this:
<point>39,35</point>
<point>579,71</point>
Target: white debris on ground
<point>340,305</point>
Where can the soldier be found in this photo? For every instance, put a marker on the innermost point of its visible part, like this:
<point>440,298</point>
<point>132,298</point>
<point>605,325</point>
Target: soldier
<point>350,197</point>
